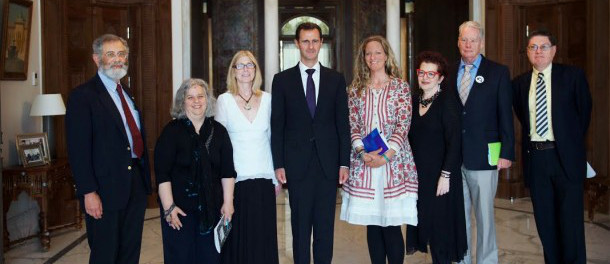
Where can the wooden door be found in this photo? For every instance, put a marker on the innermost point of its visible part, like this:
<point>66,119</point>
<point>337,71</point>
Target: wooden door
<point>507,26</point>
<point>69,28</point>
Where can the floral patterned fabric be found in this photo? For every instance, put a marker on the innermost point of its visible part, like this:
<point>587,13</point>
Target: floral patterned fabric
<point>392,118</point>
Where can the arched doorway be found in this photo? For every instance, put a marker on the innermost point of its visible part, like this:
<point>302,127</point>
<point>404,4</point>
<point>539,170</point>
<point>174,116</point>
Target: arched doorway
<point>289,52</point>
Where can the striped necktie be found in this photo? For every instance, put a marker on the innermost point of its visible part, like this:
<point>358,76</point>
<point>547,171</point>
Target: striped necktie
<point>465,84</point>
<point>542,121</point>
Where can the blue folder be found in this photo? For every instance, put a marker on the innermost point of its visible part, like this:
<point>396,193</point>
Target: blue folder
<point>374,141</point>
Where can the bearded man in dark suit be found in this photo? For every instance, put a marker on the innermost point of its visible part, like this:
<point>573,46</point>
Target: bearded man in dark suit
<point>108,157</point>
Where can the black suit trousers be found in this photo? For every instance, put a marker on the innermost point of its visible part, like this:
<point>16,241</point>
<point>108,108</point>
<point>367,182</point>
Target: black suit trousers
<point>117,236</point>
<point>558,209</point>
<point>312,205</point>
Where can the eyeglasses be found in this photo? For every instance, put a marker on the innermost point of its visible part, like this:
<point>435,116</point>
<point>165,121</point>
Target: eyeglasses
<point>543,47</point>
<point>429,74</point>
<point>120,54</point>
<point>240,66</point>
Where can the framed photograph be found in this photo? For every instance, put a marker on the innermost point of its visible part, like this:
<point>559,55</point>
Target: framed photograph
<point>24,140</point>
<point>31,155</point>
<point>16,24</point>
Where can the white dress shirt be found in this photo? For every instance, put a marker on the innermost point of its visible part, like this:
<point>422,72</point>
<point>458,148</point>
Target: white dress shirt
<point>315,76</point>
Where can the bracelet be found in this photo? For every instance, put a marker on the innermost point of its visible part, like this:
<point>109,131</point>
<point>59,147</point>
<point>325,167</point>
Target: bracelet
<point>386,158</point>
<point>169,210</point>
<point>359,154</point>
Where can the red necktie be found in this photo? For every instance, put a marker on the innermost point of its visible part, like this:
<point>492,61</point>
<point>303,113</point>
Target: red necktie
<point>138,145</point>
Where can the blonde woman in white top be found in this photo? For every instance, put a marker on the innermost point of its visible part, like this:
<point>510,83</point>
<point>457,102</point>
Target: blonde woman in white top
<point>245,111</point>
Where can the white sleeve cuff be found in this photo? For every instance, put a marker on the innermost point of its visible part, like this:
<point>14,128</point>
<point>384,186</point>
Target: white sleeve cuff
<point>394,146</point>
<point>357,143</point>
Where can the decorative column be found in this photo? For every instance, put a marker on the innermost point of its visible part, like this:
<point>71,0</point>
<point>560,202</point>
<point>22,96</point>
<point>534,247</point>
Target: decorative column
<point>409,11</point>
<point>181,42</point>
<point>393,26</point>
<point>272,42</point>
<point>477,13</point>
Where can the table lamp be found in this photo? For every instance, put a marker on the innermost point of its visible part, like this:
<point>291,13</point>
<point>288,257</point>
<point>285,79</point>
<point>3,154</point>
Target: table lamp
<point>47,105</point>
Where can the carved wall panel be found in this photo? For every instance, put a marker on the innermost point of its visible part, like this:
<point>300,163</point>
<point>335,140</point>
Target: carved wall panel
<point>234,27</point>
<point>436,26</point>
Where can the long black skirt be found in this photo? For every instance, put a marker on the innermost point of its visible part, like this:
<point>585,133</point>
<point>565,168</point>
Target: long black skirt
<point>253,238</point>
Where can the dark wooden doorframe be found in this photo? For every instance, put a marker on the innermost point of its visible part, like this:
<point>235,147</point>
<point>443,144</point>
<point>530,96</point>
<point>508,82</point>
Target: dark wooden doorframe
<point>69,28</point>
<point>583,41</point>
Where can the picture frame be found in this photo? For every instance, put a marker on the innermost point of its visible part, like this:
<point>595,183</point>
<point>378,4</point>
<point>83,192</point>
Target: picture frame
<point>16,29</point>
<point>24,140</point>
<point>31,155</point>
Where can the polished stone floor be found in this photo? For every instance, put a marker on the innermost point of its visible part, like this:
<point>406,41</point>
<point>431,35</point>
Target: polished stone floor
<point>517,237</point>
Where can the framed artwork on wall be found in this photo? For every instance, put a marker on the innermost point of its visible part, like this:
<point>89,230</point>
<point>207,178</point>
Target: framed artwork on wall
<point>16,24</point>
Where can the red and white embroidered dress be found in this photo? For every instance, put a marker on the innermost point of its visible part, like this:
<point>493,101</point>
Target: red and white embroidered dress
<point>387,195</point>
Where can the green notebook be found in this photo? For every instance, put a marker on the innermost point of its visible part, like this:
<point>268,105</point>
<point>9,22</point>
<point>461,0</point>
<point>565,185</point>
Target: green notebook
<point>493,153</point>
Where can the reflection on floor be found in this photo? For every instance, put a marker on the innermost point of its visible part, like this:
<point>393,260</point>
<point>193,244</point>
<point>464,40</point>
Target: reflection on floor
<point>518,241</point>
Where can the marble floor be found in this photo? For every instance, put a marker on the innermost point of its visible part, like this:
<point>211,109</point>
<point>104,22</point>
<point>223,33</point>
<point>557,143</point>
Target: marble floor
<point>517,238</point>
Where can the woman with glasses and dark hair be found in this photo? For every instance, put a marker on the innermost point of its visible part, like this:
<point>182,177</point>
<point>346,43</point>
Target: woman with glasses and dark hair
<point>436,141</point>
<point>195,173</point>
<point>381,191</point>
<point>245,111</point>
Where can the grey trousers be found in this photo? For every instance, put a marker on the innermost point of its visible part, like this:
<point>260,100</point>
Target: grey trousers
<point>479,193</point>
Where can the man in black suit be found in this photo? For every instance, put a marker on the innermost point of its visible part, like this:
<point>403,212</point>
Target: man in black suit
<point>553,104</point>
<point>108,157</point>
<point>483,86</point>
<point>310,144</point>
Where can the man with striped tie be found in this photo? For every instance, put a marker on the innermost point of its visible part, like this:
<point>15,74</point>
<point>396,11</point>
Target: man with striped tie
<point>553,104</point>
<point>483,86</point>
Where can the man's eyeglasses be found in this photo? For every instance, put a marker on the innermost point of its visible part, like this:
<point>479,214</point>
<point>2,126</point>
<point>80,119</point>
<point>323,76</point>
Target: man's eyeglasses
<point>544,47</point>
<point>429,74</point>
<point>240,66</point>
<point>120,54</point>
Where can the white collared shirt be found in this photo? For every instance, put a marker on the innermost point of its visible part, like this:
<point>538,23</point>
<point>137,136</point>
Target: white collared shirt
<point>315,76</point>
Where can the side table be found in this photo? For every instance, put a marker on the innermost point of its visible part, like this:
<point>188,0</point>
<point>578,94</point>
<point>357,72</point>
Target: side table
<point>52,186</point>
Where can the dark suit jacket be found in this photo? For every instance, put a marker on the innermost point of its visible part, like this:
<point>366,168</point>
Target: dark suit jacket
<point>570,113</point>
<point>98,148</point>
<point>294,132</point>
<point>487,116</point>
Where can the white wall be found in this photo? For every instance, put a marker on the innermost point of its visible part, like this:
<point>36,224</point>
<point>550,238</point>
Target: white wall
<point>17,96</point>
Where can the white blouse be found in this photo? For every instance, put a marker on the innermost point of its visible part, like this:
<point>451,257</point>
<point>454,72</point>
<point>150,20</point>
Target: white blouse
<point>251,141</point>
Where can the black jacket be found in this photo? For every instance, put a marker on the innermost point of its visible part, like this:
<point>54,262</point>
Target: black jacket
<point>487,116</point>
<point>294,132</point>
<point>98,147</point>
<point>570,112</point>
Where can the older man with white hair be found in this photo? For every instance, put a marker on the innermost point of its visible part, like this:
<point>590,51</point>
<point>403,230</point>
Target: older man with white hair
<point>484,89</point>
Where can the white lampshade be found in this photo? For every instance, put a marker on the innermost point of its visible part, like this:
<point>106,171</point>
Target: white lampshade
<point>48,105</point>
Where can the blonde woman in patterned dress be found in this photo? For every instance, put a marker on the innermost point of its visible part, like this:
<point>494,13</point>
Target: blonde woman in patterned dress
<point>381,191</point>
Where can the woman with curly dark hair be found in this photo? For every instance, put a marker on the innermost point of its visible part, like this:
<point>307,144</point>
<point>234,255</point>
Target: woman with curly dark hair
<point>436,142</point>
